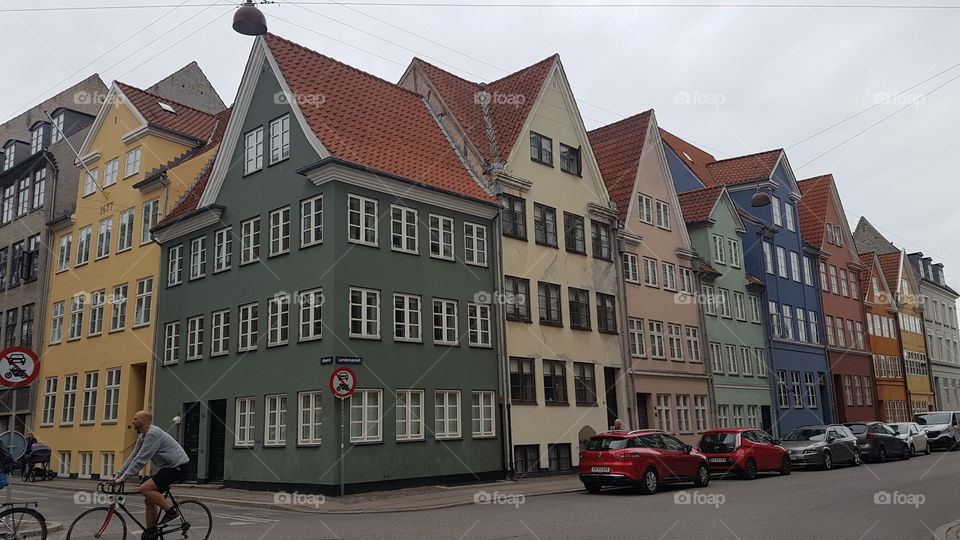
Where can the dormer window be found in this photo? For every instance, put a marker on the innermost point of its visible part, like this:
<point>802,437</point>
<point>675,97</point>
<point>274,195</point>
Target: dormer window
<point>541,148</point>
<point>8,156</point>
<point>57,128</point>
<point>36,138</point>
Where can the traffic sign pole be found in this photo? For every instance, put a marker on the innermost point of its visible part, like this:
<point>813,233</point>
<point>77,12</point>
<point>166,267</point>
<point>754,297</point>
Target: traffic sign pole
<point>343,405</point>
<point>343,383</point>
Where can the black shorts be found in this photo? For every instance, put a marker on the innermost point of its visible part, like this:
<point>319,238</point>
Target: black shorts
<point>164,478</point>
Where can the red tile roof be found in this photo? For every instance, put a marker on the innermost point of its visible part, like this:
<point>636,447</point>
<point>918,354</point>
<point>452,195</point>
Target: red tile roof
<point>618,147</point>
<point>743,168</point>
<point>507,116</point>
<point>890,263</point>
<point>812,207</point>
<point>866,259</point>
<point>697,205</point>
<point>185,121</point>
<point>694,157</point>
<point>190,199</point>
<point>371,122</point>
<point>753,280</point>
<point>709,269</point>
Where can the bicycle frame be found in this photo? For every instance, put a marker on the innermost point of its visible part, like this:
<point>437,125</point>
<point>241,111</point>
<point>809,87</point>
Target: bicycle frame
<point>119,499</point>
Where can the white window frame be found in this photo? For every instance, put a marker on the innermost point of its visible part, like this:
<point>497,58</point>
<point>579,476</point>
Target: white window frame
<point>66,249</point>
<point>90,179</point>
<point>56,322</point>
<point>250,241</point>
<point>364,420</point>
<point>111,397</point>
<point>442,228</point>
<point>49,411</point>
<point>76,317</point>
<point>248,317</point>
<point>195,338</point>
<point>795,266</point>
<point>174,265</point>
<point>635,331</point>
<point>733,246</point>
<point>118,308</point>
<point>407,221</point>
<point>171,343</point>
<point>69,410</point>
<point>309,416</point>
<point>222,249</point>
<point>220,333</point>
<point>663,215</point>
<point>128,219</point>
<point>198,258</point>
<point>280,139</point>
<point>144,304</point>
<point>151,216</point>
<point>768,257</point>
<point>111,170</point>
<point>275,420</point>
<point>447,415</point>
<point>131,163</point>
<point>365,320</point>
<point>483,410</point>
<point>448,327</point>
<point>278,320</point>
<point>245,414</point>
<point>475,244</point>
<point>759,355</point>
<point>311,314</point>
<point>631,268</point>
<point>719,250</point>
<point>311,221</point>
<point>253,150</point>
<point>479,325</point>
<point>807,272</point>
<point>782,262</point>
<point>645,209</point>
<point>98,300</point>
<point>361,232</point>
<point>409,412</point>
<point>104,237</point>
<point>279,231</point>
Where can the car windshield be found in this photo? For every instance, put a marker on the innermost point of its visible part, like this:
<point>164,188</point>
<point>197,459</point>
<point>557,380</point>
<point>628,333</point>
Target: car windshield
<point>858,429</point>
<point>715,443</point>
<point>809,434</point>
<point>931,419</point>
<point>900,427</point>
<point>607,443</point>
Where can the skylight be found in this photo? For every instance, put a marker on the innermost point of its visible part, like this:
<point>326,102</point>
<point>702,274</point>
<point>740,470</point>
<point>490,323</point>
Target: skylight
<point>166,107</point>
<point>686,155</point>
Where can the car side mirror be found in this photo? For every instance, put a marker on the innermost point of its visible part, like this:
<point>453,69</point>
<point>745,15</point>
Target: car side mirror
<point>777,441</point>
<point>687,448</point>
<point>831,438</point>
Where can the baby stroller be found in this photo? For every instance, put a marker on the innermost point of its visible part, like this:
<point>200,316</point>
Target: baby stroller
<point>36,464</point>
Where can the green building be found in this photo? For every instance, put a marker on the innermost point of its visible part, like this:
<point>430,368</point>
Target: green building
<point>335,227</point>
<point>730,301</point>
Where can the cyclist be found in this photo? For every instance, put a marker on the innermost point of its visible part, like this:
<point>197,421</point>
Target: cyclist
<point>170,466</point>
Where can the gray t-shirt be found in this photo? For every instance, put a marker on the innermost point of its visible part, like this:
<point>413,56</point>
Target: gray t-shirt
<point>157,447</point>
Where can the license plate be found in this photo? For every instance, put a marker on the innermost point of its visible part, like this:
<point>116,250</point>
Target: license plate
<point>600,469</point>
<point>794,457</point>
<point>718,460</point>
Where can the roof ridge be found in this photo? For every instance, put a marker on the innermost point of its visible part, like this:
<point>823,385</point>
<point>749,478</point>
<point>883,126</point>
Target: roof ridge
<point>163,99</point>
<point>554,56</point>
<point>755,154</point>
<point>417,59</point>
<point>611,125</point>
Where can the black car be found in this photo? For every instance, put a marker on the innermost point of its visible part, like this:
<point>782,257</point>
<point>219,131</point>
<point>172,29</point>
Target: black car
<point>878,442</point>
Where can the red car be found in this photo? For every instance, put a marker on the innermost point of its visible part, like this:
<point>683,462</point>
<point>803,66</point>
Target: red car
<point>744,451</point>
<point>644,458</point>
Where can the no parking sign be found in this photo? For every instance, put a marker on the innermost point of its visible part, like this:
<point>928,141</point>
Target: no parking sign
<point>19,366</point>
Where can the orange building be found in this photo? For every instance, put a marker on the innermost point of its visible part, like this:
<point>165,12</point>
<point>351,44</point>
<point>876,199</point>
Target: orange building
<point>881,313</point>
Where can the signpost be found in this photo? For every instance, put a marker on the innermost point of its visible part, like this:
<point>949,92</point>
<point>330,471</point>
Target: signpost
<point>343,382</point>
<point>19,366</point>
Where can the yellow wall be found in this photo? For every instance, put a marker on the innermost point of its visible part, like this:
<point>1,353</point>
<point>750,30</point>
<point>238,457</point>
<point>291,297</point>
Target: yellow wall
<point>917,385</point>
<point>125,348</point>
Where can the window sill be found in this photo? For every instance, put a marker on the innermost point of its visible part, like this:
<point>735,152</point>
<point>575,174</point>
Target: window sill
<point>546,244</point>
<point>446,344</point>
<point>557,403</point>
<point>52,343</point>
<point>575,252</point>
<point>651,285</point>
<point>274,445</point>
<point>586,404</point>
<point>522,402</point>
<point>518,319</point>
<point>583,328</point>
<point>247,350</point>
<point>544,163</point>
<point>98,334</point>
<point>90,423</point>
<point>194,359</point>
<point>124,250</point>
<point>606,331</point>
<point>278,161</point>
<point>309,339</point>
<point>481,345</point>
<point>101,257</point>
<point>393,249</point>
<point>365,443</point>
<point>272,255</point>
<point>141,325</point>
<point>218,355</point>
<point>243,446</point>
<point>309,445</point>
<point>477,264</point>
<point>109,423</point>
<point>401,441</point>
<point>171,285</point>
<point>46,425</point>
<point>194,278</point>
<point>363,243</point>
<point>365,338</point>
<point>482,437</point>
<point>275,345</point>
<point>450,438</point>
<point>115,330</point>
<point>439,258</point>
<point>558,324</point>
<point>220,270</point>
<point>515,236</point>
<point>251,261</point>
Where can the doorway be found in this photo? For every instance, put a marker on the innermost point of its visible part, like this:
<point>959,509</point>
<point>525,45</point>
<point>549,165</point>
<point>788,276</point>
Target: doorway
<point>643,416</point>
<point>766,418</point>
<point>218,439</point>
<point>191,436</point>
<point>610,393</point>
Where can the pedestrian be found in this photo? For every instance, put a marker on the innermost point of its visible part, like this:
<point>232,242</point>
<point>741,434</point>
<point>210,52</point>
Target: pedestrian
<point>617,425</point>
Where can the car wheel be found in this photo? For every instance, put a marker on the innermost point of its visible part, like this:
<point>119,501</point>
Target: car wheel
<point>785,466</point>
<point>703,476</point>
<point>913,451</point>
<point>749,472</point>
<point>592,487</point>
<point>882,455</point>
<point>826,462</point>
<point>926,451</point>
<point>907,453</point>
<point>857,459</point>
<point>650,481</point>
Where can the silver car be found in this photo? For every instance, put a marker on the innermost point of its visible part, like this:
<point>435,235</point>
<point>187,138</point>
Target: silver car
<point>822,446</point>
<point>912,434</point>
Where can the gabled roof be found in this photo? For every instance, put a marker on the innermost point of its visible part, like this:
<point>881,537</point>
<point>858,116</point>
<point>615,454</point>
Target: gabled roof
<point>185,121</point>
<point>812,208</point>
<point>507,117</point>
<point>697,205</point>
<point>618,148</point>
<point>868,238</point>
<point>368,121</point>
<point>867,260</point>
<point>743,168</point>
<point>891,263</point>
<point>695,158</point>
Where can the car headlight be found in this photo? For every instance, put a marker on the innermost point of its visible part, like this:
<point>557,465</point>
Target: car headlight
<point>810,451</point>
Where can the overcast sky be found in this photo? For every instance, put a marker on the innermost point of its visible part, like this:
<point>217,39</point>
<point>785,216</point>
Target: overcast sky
<point>733,80</point>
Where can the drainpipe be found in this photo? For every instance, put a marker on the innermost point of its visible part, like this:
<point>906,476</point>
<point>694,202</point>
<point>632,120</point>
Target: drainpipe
<point>704,344</point>
<point>151,374</point>
<point>625,360</point>
<point>936,395</point>
<point>42,295</point>
<point>503,362</point>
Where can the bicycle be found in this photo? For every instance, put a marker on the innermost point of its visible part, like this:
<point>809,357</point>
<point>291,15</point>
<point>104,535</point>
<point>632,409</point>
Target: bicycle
<point>194,521</point>
<point>22,522</point>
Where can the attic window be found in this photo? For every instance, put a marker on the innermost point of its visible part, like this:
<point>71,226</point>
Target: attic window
<point>166,107</point>
<point>686,155</point>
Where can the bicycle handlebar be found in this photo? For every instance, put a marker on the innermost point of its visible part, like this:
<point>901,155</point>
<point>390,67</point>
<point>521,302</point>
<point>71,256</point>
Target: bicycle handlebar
<point>107,486</point>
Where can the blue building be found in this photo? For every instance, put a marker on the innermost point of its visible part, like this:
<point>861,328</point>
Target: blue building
<point>774,252</point>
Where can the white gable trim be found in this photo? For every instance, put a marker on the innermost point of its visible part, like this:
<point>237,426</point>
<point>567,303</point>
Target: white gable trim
<point>115,95</point>
<point>653,136</point>
<point>847,234</point>
<point>728,202</point>
<point>259,55</point>
<point>794,188</point>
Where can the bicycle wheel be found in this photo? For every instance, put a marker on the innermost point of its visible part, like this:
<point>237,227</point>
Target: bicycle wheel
<point>195,521</point>
<point>25,472</point>
<point>94,524</point>
<point>17,523</point>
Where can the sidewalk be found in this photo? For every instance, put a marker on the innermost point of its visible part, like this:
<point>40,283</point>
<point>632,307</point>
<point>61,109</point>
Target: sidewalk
<point>400,500</point>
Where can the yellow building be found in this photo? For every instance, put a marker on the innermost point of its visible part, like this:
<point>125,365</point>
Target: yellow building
<point>141,154</point>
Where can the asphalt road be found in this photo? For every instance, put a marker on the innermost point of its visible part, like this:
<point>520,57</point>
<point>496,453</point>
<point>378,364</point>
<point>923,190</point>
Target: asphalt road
<point>896,500</point>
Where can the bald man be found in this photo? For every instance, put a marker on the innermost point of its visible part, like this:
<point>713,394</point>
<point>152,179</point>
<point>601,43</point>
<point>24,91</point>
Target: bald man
<point>169,465</point>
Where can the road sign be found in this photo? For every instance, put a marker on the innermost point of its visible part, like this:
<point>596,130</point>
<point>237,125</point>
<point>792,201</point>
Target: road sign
<point>343,381</point>
<point>15,443</point>
<point>19,366</point>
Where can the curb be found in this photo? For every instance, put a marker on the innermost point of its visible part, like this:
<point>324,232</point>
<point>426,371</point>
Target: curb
<point>950,531</point>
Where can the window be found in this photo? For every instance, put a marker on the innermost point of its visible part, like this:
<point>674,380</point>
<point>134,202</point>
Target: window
<point>775,328</point>
<point>574,234</point>
<point>89,186</point>
<point>249,323</point>
<point>716,358</point>
<point>723,302</point>
<point>280,138</point>
<point>709,300</point>
<point>569,159</point>
<point>445,322</point>
<point>362,220</point>
<point>243,428</point>
<point>584,383</point>
<point>151,216</point>
<point>76,317</point>
<point>97,300</point>
<point>733,367</point>
<point>795,265</point>
<point>737,415</point>
<point>365,416</point>
<point>683,413</point>
<point>522,386</point>
<point>606,313</point>
<point>517,299</point>
<point>86,464</point>
<point>843,283</point>
<point>782,397</point>
<point>548,299</point>
<point>195,338</point>
<point>693,343</point>
<point>841,338</point>
<point>69,399</point>
<point>807,272</point>
<point>310,418</point>
<point>36,138</point>
<point>801,325</point>
<point>250,240</point>
<point>579,308</point>
<point>656,339</point>
<point>49,401</point>
<point>125,239</point>
<point>91,380</point>
<point>108,462</point>
<point>686,280</point>
<point>475,244</point>
<point>171,343</point>
<point>447,414</point>
<point>739,309</point>
<point>198,257</point>
<point>311,220</point>
<point>103,237</point>
<point>64,468</point>
<point>63,258</point>
<point>719,253</point>
<point>814,326</point>
<point>280,231</point>
<point>275,420</point>
<point>650,272</point>
<point>545,225</point>
<point>674,341</point>
<point>220,330</point>
<point>669,277</point>
<point>823,277</point>
<point>733,246</point>
<point>409,415</point>
<point>514,217</point>
<point>775,211</point>
<point>645,209</point>
<point>4,259</point>
<point>132,163</point>
<point>700,412</point>
<point>482,417</point>
<point>635,329</point>
<point>860,344</point>
<point>797,394</point>
<point>16,264</point>
<point>174,265</point>
<point>111,401</point>
<point>56,324</point>
<point>364,313</point>
<point>853,285</point>
<point>441,237</point>
<point>56,134</point>
<point>761,362</point>
<point>858,390</point>
<point>787,322</point>
<point>554,381</point>
<point>141,313</point>
<point>811,390</point>
<point>631,268</point>
<point>39,187</point>
<point>664,413</point>
<point>11,328</point>
<point>601,240</point>
<point>723,416</point>
<point>788,213</point>
<point>868,395</point>
<point>253,151</point>
<point>768,257</point>
<point>222,249</point>
<point>541,148</point>
<point>478,320</point>
<point>663,215</point>
<point>406,317</point>
<point>118,311</point>
<point>833,280</point>
<point>782,262</point>
<point>111,170</point>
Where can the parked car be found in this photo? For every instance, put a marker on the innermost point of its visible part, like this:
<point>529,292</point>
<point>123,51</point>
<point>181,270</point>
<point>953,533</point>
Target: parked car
<point>912,434</point>
<point>642,458</point>
<point>822,446</point>
<point>744,451</point>
<point>942,427</point>
<point>878,442</point>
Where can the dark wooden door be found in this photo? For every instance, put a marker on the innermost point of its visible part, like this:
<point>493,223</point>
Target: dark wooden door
<point>218,439</point>
<point>191,436</point>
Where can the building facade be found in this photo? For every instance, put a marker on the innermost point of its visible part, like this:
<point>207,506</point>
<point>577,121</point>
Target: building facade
<point>940,327</point>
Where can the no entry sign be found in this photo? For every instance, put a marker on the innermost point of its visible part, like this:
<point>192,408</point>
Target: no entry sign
<point>343,381</point>
<point>19,366</point>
